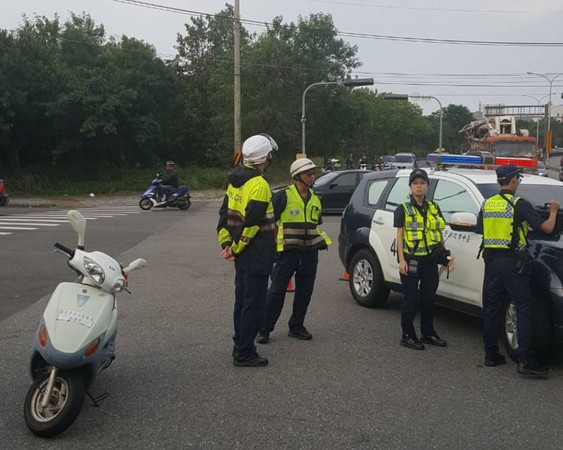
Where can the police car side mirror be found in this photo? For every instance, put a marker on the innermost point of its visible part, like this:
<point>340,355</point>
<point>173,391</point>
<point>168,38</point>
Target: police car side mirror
<point>333,185</point>
<point>463,221</point>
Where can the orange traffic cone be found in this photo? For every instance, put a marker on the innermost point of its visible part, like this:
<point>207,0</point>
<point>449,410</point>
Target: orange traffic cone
<point>290,286</point>
<point>345,277</point>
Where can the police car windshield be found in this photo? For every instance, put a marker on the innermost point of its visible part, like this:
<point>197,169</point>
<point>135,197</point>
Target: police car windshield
<point>536,194</point>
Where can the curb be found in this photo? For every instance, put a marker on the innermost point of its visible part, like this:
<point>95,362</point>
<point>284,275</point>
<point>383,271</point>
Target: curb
<point>88,202</point>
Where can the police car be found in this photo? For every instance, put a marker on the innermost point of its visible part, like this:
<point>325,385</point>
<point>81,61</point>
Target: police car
<point>367,246</point>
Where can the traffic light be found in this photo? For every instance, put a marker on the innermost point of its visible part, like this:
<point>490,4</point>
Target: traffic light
<point>353,82</point>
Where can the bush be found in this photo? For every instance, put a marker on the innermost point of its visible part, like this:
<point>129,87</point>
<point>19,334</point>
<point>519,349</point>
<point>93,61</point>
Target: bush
<point>46,182</point>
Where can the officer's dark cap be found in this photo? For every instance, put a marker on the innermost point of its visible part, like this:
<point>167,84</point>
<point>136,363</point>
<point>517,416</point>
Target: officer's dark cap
<point>505,173</point>
<point>418,173</point>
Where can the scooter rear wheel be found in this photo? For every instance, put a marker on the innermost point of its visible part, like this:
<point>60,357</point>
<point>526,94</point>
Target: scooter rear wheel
<point>145,204</point>
<point>63,407</point>
<point>184,203</point>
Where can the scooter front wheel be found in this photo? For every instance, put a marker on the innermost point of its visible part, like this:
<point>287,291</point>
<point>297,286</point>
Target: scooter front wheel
<point>63,407</point>
<point>145,204</point>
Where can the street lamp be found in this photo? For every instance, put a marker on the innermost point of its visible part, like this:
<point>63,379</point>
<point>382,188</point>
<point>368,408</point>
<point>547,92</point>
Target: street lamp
<point>550,81</point>
<point>539,100</point>
<point>418,97</point>
<point>346,83</point>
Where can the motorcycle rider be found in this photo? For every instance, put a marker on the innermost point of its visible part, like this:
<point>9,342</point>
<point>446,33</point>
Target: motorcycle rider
<point>298,212</point>
<point>246,233</point>
<point>169,183</point>
<point>350,161</point>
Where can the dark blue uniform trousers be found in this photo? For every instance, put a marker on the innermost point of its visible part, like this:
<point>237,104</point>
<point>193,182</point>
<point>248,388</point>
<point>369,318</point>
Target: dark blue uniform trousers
<point>428,280</point>
<point>304,266</point>
<point>501,283</point>
<point>250,298</point>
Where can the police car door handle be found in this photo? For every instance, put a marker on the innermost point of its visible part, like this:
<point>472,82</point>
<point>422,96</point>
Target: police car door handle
<point>379,220</point>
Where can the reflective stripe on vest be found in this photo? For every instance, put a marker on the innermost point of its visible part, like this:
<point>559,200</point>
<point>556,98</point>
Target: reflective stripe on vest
<point>415,229</point>
<point>498,223</point>
<point>298,223</point>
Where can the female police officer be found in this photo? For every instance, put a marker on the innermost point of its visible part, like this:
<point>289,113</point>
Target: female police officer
<point>420,248</point>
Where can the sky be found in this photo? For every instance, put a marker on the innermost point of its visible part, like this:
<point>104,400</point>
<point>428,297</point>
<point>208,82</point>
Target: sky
<point>464,74</point>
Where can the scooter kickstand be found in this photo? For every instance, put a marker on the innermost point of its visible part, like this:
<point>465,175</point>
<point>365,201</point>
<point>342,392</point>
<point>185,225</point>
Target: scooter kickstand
<point>96,400</point>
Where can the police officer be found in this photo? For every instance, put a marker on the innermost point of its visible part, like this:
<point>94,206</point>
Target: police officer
<point>246,233</point>
<point>505,219</point>
<point>298,212</point>
<point>419,224</point>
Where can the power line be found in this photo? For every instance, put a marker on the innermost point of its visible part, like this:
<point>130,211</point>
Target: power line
<point>350,34</point>
<point>427,8</point>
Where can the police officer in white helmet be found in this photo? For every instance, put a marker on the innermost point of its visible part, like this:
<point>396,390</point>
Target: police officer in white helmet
<point>297,210</point>
<point>246,233</point>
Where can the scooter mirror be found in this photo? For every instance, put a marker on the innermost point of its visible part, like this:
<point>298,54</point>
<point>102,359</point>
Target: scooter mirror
<point>78,224</point>
<point>134,265</point>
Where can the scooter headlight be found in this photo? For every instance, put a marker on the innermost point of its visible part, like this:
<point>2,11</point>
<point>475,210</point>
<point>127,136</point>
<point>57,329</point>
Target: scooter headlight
<point>118,287</point>
<point>94,270</point>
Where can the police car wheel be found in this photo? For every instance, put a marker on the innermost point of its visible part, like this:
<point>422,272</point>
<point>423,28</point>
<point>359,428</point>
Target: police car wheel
<point>366,280</point>
<point>542,330</point>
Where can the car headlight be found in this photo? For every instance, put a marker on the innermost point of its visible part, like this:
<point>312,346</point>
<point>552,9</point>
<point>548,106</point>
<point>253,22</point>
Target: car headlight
<point>118,287</point>
<point>94,270</point>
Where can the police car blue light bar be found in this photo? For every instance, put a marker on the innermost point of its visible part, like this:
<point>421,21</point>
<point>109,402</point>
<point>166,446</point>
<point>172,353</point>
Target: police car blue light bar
<point>454,159</point>
<point>461,159</point>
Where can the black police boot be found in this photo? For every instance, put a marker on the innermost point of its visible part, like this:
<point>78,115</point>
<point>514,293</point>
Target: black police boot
<point>411,342</point>
<point>300,333</point>
<point>263,337</point>
<point>533,370</point>
<point>494,359</point>
<point>254,360</point>
<point>434,339</point>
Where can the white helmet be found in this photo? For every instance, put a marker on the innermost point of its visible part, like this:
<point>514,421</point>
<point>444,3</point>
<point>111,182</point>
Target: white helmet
<point>257,149</point>
<point>301,165</point>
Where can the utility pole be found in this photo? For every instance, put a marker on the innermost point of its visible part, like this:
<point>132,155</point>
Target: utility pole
<point>237,157</point>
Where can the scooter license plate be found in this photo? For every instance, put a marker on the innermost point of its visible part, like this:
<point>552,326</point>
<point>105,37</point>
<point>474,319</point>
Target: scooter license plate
<point>66,315</point>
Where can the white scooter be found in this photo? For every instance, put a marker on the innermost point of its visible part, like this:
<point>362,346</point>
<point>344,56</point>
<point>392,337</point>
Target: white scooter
<point>75,339</point>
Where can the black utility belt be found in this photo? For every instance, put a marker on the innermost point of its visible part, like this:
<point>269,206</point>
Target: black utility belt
<point>502,253</point>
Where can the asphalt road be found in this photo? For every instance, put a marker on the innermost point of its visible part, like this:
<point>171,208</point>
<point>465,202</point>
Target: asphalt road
<point>173,384</point>
<point>31,269</point>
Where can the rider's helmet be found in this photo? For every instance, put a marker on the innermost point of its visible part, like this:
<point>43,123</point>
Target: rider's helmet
<point>301,165</point>
<point>169,165</point>
<point>258,149</point>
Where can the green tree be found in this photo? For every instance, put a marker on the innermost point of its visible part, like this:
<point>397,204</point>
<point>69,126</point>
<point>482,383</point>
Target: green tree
<point>455,117</point>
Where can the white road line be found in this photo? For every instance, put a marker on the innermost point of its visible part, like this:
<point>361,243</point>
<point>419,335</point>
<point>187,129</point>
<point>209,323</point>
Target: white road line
<point>17,228</point>
<point>35,219</point>
<point>4,234</point>
<point>28,223</point>
<point>61,218</point>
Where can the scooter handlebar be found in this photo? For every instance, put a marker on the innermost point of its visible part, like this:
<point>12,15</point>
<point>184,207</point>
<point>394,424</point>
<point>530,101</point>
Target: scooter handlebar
<point>64,249</point>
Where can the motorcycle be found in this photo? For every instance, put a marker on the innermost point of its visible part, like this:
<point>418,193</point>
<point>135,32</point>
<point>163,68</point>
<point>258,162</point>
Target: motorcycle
<point>75,339</point>
<point>4,197</point>
<point>179,198</point>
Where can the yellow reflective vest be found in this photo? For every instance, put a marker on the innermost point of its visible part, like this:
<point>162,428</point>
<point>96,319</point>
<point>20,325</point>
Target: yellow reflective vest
<point>297,227</point>
<point>421,237</point>
<point>237,228</point>
<point>498,223</point>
